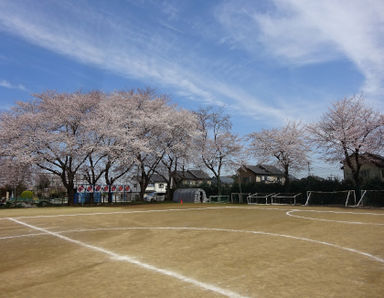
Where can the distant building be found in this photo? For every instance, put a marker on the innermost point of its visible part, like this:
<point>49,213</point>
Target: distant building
<point>191,177</point>
<point>156,184</point>
<point>372,167</point>
<point>260,174</point>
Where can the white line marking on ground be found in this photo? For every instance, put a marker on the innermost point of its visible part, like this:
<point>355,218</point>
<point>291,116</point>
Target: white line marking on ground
<point>21,236</point>
<point>289,213</point>
<point>57,234</point>
<point>116,212</point>
<point>311,210</point>
<point>131,260</point>
<point>378,259</point>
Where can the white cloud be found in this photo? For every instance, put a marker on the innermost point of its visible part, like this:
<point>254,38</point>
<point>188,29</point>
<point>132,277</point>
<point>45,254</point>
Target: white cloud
<point>7,84</point>
<point>128,52</point>
<point>302,32</point>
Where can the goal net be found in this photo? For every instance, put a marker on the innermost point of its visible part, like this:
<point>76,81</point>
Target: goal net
<point>285,198</point>
<point>218,199</point>
<point>371,198</point>
<point>339,198</point>
<point>259,198</point>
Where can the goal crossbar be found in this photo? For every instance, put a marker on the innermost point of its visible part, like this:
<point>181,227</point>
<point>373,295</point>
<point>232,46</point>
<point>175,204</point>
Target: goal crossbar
<point>258,195</point>
<point>292,196</point>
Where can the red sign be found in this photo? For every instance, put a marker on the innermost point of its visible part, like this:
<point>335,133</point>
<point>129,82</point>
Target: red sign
<point>97,188</point>
<point>105,188</point>
<point>120,188</point>
<point>89,188</point>
<point>113,188</point>
<point>80,188</point>
<point>127,188</point>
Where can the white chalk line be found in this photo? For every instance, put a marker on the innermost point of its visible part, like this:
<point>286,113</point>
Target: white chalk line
<point>378,259</point>
<point>289,213</point>
<point>271,208</point>
<point>132,260</point>
<point>310,210</point>
<point>116,212</point>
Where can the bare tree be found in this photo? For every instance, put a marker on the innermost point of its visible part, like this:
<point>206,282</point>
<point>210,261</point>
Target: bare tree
<point>286,147</point>
<point>219,148</point>
<point>348,130</point>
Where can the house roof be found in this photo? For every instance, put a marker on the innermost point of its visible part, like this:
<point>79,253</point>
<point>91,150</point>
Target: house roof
<point>155,178</point>
<point>192,175</point>
<point>261,169</point>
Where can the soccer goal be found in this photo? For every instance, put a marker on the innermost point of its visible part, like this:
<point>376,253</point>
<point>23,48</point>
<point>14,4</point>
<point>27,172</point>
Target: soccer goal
<point>285,198</point>
<point>340,198</point>
<point>259,198</point>
<point>371,198</point>
<point>218,199</point>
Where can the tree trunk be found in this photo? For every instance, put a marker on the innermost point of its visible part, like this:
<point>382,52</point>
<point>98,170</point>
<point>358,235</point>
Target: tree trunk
<point>286,178</point>
<point>71,194</point>
<point>218,185</point>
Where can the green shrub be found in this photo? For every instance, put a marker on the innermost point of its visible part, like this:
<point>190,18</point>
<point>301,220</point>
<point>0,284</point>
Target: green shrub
<point>27,195</point>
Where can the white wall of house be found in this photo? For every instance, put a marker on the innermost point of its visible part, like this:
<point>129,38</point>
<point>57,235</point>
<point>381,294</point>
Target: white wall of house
<point>160,187</point>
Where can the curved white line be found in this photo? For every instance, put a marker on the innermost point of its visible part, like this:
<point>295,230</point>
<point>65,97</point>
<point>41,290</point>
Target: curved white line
<point>132,260</point>
<point>289,213</point>
<point>116,212</point>
<point>378,259</point>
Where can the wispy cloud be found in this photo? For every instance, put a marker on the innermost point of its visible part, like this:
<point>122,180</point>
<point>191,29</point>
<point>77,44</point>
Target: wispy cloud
<point>7,84</point>
<point>130,51</point>
<point>305,32</point>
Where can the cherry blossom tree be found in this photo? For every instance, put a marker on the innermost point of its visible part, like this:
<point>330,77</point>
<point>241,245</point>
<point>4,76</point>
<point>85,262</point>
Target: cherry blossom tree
<point>348,130</point>
<point>14,175</point>
<point>50,132</point>
<point>161,128</point>
<point>219,148</point>
<point>286,147</point>
<point>180,145</point>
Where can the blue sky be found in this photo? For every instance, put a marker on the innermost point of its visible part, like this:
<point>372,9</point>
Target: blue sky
<point>265,62</point>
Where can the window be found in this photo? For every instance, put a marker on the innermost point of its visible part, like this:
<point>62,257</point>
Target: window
<point>161,185</point>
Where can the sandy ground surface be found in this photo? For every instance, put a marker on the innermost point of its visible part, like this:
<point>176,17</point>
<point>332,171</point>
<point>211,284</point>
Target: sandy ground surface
<point>169,250</point>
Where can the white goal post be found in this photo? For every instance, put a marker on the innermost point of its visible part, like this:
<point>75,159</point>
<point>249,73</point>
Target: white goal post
<point>340,197</point>
<point>254,198</point>
<point>292,197</point>
<point>371,197</point>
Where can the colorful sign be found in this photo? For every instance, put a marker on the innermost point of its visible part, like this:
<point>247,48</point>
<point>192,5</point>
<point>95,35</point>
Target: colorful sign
<point>80,188</point>
<point>127,188</point>
<point>97,188</point>
<point>89,188</point>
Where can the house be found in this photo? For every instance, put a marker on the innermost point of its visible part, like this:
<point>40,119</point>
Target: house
<point>260,173</point>
<point>191,177</point>
<point>372,167</point>
<point>157,183</point>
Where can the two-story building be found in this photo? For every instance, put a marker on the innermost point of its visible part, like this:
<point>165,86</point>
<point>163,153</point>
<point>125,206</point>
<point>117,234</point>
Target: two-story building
<point>260,174</point>
<point>191,178</point>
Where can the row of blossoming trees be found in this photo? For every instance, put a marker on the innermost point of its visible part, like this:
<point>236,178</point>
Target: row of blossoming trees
<point>107,136</point>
